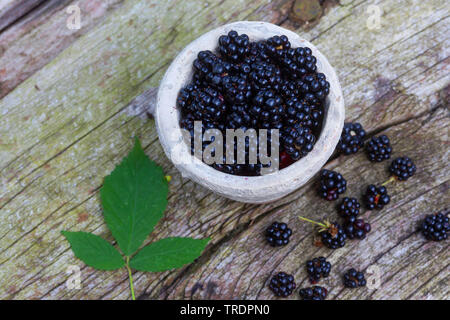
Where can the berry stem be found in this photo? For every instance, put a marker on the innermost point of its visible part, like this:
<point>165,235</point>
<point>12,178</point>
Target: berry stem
<point>130,276</point>
<point>314,222</point>
<point>391,179</point>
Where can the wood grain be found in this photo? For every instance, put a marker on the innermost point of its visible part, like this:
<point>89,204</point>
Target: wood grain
<point>65,127</point>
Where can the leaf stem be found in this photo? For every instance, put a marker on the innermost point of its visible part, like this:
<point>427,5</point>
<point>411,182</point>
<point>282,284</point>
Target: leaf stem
<point>130,276</point>
<point>391,179</point>
<point>314,222</point>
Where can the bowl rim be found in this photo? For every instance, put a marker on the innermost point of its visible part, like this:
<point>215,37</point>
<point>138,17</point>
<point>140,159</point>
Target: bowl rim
<point>245,188</point>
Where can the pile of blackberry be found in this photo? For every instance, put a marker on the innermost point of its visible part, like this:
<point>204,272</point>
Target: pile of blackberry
<point>332,184</point>
<point>318,268</point>
<point>313,293</point>
<point>282,284</point>
<point>353,279</point>
<point>436,226</point>
<point>278,234</point>
<point>256,85</point>
<point>376,197</point>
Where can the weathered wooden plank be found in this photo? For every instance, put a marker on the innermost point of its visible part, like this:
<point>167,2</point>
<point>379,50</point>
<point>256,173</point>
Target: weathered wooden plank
<point>58,142</point>
<point>10,11</point>
<point>33,41</point>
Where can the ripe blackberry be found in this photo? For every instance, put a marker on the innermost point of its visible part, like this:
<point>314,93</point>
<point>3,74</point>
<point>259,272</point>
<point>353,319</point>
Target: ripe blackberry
<point>212,69</point>
<point>349,209</point>
<point>297,141</point>
<point>268,109</point>
<point>265,75</point>
<point>351,138</point>
<point>282,284</point>
<point>378,148</point>
<point>376,197</point>
<point>233,46</point>
<point>278,234</point>
<point>237,89</point>
<point>353,279</point>
<point>277,46</point>
<point>298,62</point>
<point>334,236</point>
<point>317,268</point>
<point>436,226</point>
<point>357,229</point>
<point>317,84</point>
<point>402,168</point>
<point>332,184</point>
<point>313,293</point>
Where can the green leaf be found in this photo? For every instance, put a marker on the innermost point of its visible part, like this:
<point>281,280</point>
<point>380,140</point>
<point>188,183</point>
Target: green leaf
<point>169,253</point>
<point>134,197</point>
<point>94,251</point>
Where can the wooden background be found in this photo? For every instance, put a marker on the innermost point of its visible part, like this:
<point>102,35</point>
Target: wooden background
<point>71,101</point>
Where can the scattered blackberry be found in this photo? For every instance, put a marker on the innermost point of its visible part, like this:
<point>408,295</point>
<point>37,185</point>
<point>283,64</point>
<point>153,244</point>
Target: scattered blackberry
<point>376,197</point>
<point>313,293</point>
<point>357,229</point>
<point>317,268</point>
<point>234,46</point>
<point>402,168</point>
<point>278,234</point>
<point>282,284</point>
<point>332,184</point>
<point>436,226</point>
<point>353,279</point>
<point>351,139</point>
<point>349,209</point>
<point>334,236</point>
<point>378,148</point>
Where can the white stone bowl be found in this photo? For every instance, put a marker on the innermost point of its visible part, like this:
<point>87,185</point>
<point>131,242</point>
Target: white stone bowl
<point>258,189</point>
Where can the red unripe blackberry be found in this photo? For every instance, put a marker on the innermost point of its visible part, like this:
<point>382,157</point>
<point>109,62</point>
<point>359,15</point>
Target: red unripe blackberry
<point>282,284</point>
<point>357,229</point>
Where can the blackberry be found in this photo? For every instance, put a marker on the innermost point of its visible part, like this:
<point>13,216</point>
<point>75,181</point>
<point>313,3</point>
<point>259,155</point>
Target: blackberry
<point>332,184</point>
<point>353,279</point>
<point>297,141</point>
<point>298,62</point>
<point>436,226</point>
<point>402,168</point>
<point>318,268</point>
<point>313,293</point>
<point>258,52</point>
<point>351,138</point>
<point>278,234</point>
<point>233,46</point>
<point>282,284</point>
<point>376,197</point>
<point>212,69</point>
<point>378,148</point>
<point>237,89</point>
<point>357,229</point>
<point>285,160</point>
<point>277,46</point>
<point>317,84</point>
<point>265,75</point>
<point>334,236</point>
<point>349,209</point>
<point>268,109</point>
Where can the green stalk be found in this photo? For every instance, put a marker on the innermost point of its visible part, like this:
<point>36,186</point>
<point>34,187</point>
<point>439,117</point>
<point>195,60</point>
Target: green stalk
<point>314,222</point>
<point>130,276</point>
<point>391,179</point>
